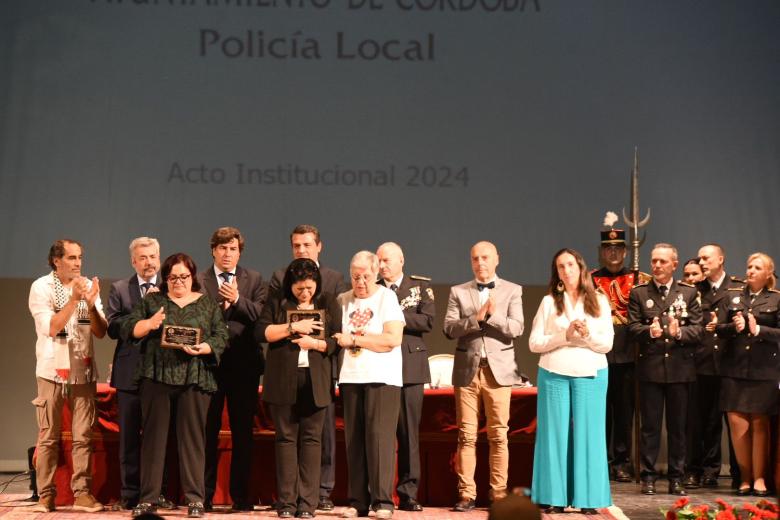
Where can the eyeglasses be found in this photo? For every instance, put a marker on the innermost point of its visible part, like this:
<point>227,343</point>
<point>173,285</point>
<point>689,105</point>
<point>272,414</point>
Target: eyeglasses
<point>181,278</point>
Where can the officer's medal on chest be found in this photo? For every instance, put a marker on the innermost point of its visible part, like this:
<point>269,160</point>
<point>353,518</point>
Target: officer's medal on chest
<point>678,309</point>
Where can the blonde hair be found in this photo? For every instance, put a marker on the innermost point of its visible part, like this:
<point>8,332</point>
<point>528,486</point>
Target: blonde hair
<point>769,264</point>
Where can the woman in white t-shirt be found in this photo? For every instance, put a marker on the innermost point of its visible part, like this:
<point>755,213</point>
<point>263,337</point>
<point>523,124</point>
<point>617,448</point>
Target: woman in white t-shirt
<point>370,380</point>
<point>572,331</point>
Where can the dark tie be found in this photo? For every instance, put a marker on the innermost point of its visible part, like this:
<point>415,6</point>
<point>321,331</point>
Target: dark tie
<point>663,290</point>
<point>145,288</point>
<point>226,276</point>
<point>393,287</point>
<point>489,285</point>
<point>714,289</point>
<point>753,298</point>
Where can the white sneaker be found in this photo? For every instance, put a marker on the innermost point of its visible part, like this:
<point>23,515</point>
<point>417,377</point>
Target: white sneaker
<point>384,513</point>
<point>349,512</point>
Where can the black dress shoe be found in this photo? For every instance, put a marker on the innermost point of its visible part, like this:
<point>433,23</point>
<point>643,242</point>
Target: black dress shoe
<point>589,511</point>
<point>551,510</point>
<point>676,488</point>
<point>304,514</point>
<point>285,513</point>
<point>743,491</point>
<point>622,475</point>
<point>124,504</point>
<point>195,510</point>
<point>648,487</point>
<point>239,507</point>
<point>410,505</point>
<point>692,482</point>
<point>710,482</point>
<point>465,504</point>
<point>164,503</point>
<point>143,508</point>
<point>325,504</point>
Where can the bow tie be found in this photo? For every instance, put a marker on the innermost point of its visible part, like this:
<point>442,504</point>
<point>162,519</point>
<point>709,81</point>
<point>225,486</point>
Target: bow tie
<point>489,285</point>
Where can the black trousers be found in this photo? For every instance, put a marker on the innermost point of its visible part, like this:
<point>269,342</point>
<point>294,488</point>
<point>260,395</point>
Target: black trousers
<point>620,414</point>
<point>129,418</point>
<point>298,449</point>
<point>408,437</point>
<point>370,421</point>
<point>653,398</point>
<point>190,417</point>
<point>705,427</point>
<point>328,458</point>
<point>240,392</point>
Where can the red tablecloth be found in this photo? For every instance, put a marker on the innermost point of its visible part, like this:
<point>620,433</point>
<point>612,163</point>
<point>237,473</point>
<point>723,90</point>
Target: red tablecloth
<point>438,440</point>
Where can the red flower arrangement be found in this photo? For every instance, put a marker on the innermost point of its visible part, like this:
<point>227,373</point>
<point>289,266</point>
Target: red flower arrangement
<point>682,509</point>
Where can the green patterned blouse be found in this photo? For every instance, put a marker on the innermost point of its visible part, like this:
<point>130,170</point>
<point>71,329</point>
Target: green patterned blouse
<point>174,366</point>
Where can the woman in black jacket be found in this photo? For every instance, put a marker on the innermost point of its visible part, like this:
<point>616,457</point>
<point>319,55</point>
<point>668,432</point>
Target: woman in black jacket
<point>751,369</point>
<point>298,322</point>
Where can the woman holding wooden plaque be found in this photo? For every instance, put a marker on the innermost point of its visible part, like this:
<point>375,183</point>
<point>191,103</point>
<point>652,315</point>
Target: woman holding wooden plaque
<point>298,322</point>
<point>182,335</point>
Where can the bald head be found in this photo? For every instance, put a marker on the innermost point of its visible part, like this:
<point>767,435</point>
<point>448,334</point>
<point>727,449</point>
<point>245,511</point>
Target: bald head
<point>391,261</point>
<point>484,260</point>
<point>711,260</point>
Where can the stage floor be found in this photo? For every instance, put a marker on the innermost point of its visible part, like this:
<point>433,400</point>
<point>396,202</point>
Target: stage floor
<point>629,503</point>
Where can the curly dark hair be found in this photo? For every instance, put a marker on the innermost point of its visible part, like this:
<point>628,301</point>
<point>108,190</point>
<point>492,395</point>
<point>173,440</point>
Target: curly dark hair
<point>299,270</point>
<point>57,250</point>
<point>178,258</point>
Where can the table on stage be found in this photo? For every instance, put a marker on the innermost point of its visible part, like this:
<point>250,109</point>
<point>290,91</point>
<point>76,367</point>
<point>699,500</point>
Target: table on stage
<point>438,440</point>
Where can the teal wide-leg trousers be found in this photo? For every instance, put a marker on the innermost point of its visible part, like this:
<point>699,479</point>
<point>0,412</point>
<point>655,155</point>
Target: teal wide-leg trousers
<point>570,456</point>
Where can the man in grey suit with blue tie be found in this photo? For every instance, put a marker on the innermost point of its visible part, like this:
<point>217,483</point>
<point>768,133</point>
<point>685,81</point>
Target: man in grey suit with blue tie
<point>484,315</point>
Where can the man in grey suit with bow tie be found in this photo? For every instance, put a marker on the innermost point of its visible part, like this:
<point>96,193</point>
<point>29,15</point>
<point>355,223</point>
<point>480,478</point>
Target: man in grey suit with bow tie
<point>484,315</point>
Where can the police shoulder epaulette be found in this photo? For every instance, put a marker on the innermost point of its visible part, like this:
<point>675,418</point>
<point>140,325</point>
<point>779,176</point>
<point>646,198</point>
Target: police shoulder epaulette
<point>737,280</point>
<point>738,289</point>
<point>644,277</point>
<point>418,277</point>
<point>686,284</point>
<point>643,284</point>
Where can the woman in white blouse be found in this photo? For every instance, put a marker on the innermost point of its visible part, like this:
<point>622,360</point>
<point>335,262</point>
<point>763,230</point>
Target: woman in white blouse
<point>572,331</point>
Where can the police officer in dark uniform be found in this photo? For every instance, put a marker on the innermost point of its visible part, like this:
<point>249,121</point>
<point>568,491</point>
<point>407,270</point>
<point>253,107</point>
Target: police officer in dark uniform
<point>616,281</point>
<point>665,319</point>
<point>416,298</point>
<point>705,419</point>
<point>750,369</point>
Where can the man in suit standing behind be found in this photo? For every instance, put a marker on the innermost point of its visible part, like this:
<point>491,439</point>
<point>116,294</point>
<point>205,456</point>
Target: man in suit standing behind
<point>241,294</point>
<point>705,418</point>
<point>416,298</point>
<point>664,316</point>
<point>484,315</point>
<point>306,243</point>
<point>124,295</point>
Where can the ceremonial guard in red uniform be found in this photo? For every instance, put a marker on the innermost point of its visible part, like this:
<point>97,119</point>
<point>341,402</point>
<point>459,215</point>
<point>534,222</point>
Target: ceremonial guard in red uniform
<point>616,281</point>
